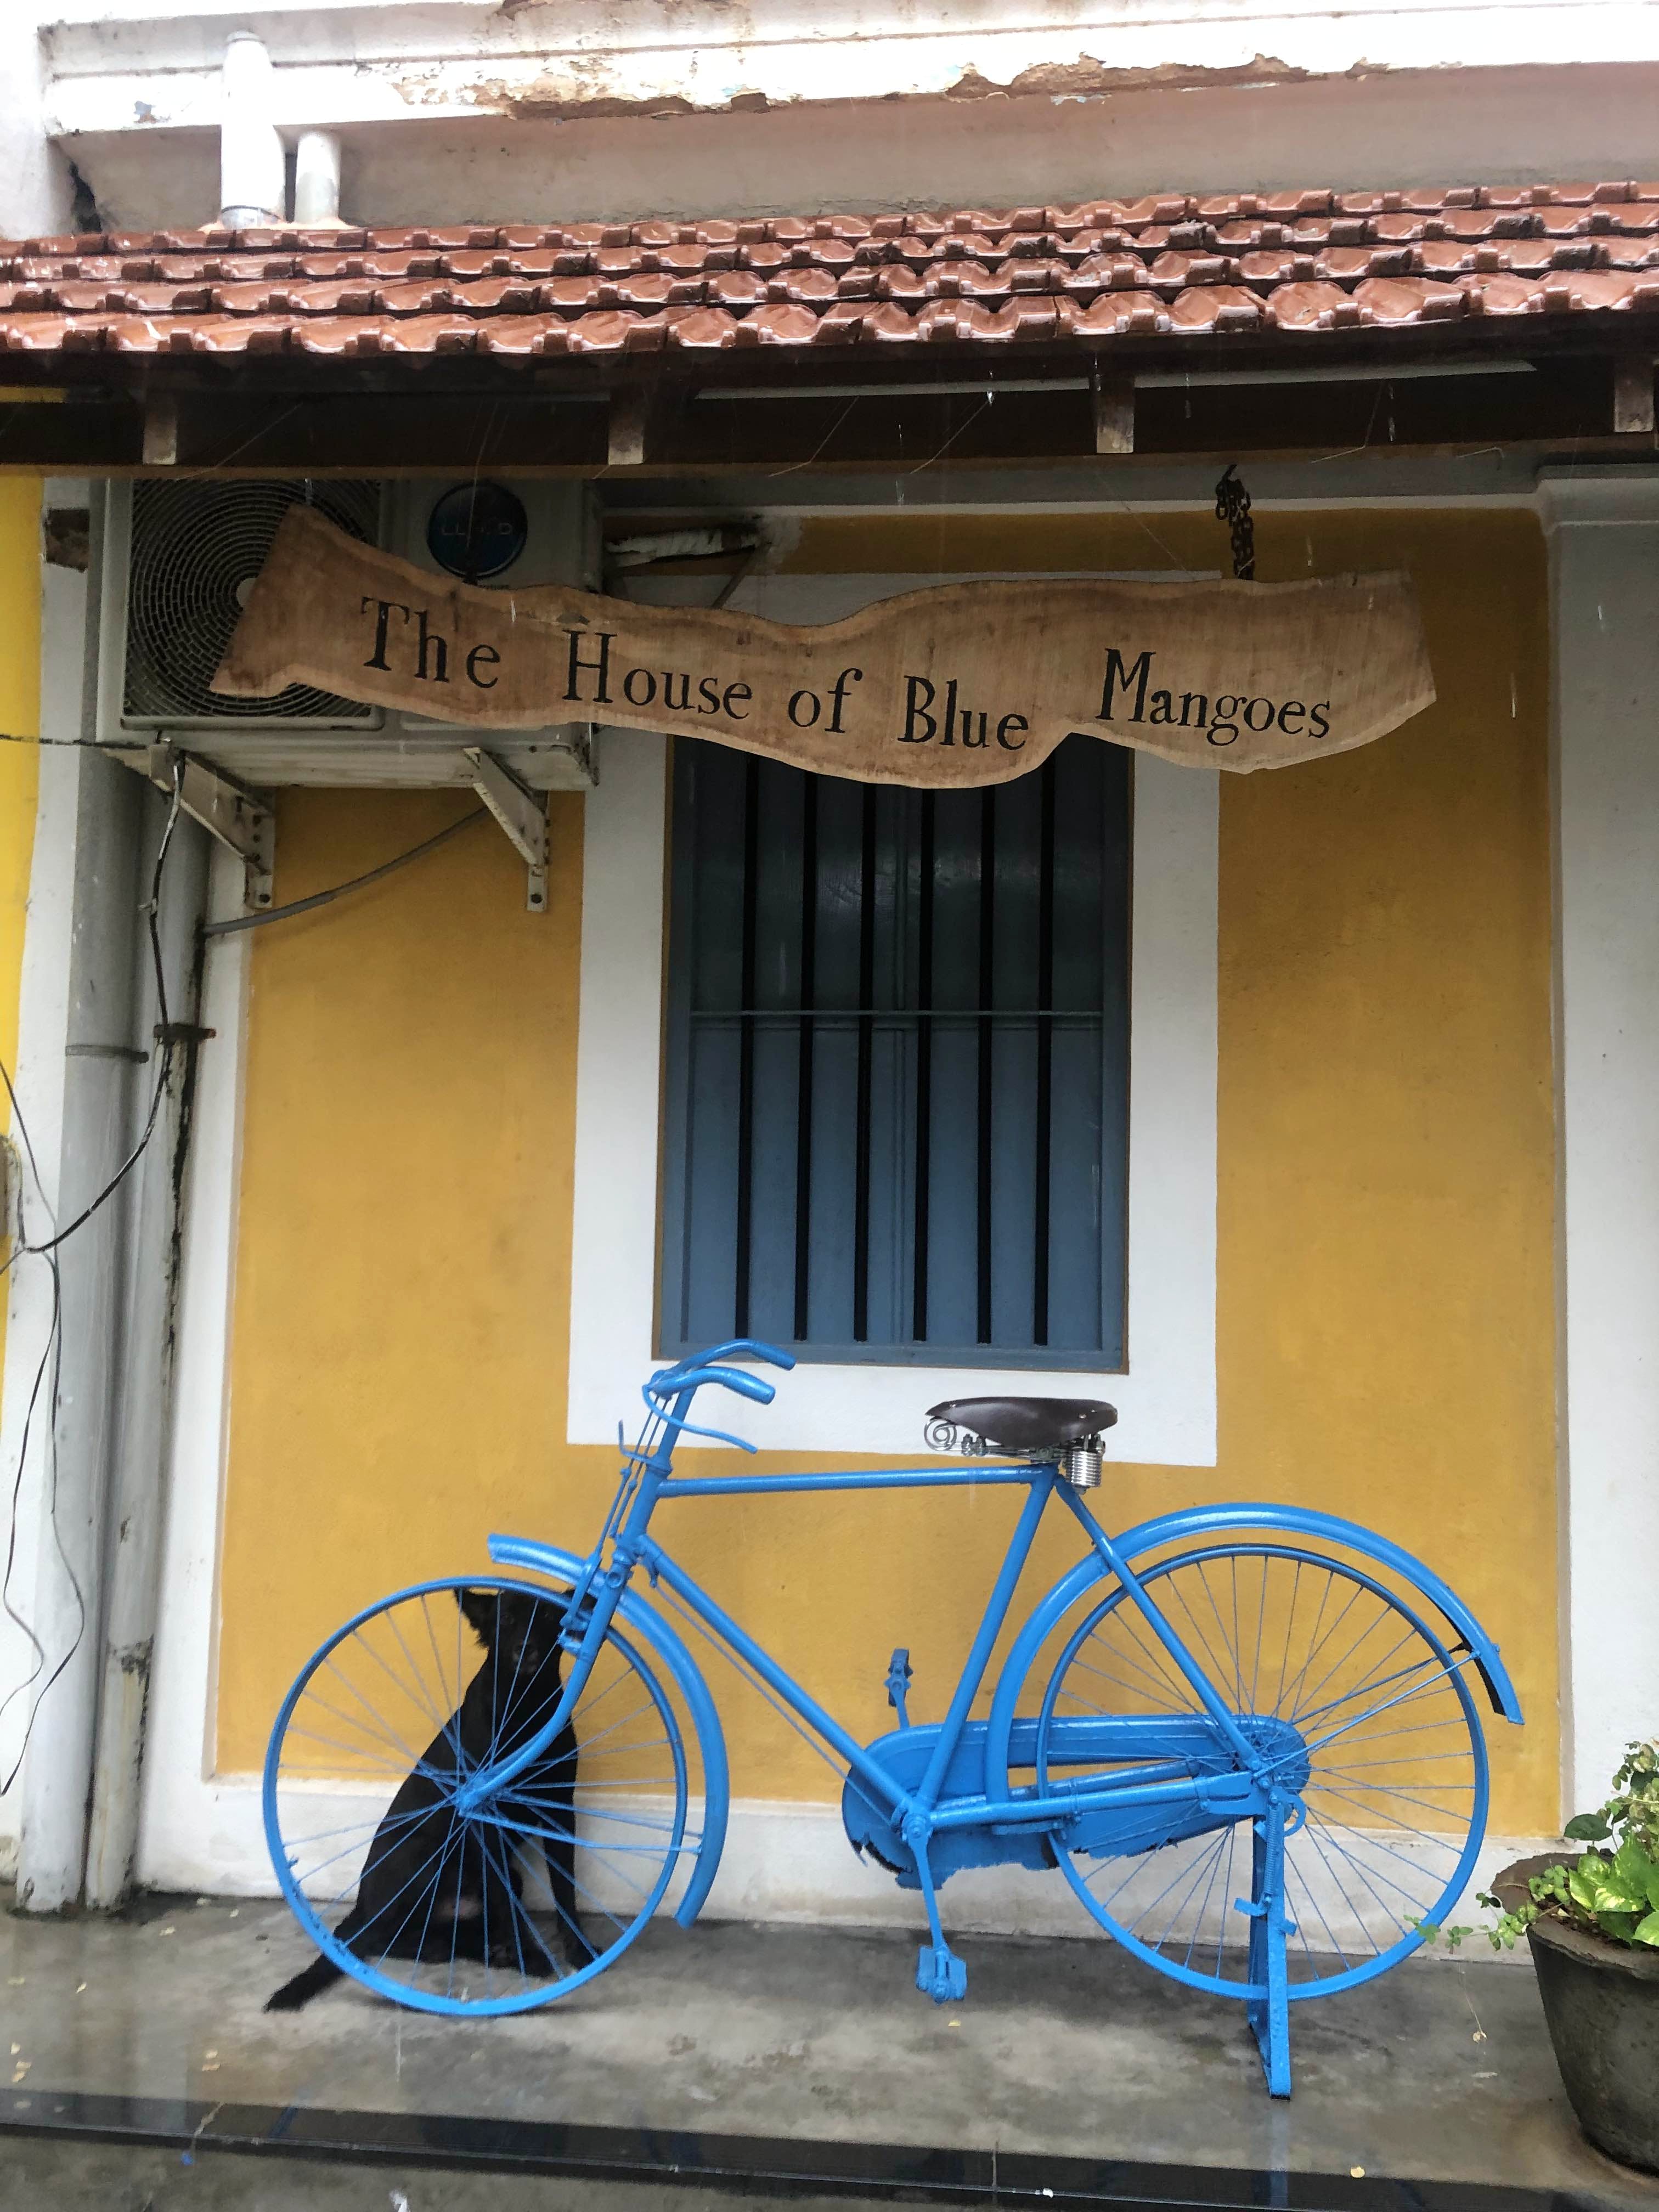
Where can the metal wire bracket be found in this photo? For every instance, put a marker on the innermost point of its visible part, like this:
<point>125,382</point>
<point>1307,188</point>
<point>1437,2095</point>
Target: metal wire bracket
<point>240,819</point>
<point>1232,507</point>
<point>522,814</point>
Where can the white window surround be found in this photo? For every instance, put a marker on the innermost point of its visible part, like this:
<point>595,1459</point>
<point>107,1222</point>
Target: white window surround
<point>1166,1400</point>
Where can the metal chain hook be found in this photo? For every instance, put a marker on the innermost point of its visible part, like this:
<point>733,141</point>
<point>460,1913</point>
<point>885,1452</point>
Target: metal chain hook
<point>1232,507</point>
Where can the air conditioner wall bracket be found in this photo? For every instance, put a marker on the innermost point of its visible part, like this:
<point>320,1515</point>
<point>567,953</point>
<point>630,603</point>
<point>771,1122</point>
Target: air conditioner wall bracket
<point>522,814</point>
<point>242,820</point>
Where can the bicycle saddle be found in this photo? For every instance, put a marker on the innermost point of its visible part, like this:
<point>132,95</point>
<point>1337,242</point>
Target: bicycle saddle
<point>1027,1425</point>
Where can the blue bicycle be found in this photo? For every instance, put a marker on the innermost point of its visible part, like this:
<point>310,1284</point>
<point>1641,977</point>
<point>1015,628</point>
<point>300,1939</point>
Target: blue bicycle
<point>1246,1736</point>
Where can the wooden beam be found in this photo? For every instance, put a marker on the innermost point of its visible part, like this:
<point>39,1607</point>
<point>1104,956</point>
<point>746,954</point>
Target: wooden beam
<point>1633,395</point>
<point>1114,401</point>
<point>161,449</point>
<point>625,431</point>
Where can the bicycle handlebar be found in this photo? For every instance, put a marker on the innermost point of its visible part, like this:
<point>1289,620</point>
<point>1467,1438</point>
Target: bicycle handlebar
<point>771,1353</point>
<point>731,1378</point>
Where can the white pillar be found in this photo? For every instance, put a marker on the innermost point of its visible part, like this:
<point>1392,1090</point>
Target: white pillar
<point>1603,532</point>
<point>34,177</point>
<point>37,1131</point>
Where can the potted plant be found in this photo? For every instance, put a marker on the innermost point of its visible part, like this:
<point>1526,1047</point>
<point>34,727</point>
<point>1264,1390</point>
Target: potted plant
<point>1592,1928</point>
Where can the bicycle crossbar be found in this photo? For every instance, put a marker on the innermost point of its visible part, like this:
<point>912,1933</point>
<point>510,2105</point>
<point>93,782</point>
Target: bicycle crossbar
<point>893,1477</point>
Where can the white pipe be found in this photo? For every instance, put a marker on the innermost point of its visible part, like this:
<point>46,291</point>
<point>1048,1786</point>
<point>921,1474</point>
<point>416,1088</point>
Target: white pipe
<point>138,1475</point>
<point>98,1091</point>
<point>316,180</point>
<point>252,175</point>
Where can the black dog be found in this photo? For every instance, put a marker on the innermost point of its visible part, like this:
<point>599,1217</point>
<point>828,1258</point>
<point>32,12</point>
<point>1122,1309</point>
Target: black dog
<point>439,1888</point>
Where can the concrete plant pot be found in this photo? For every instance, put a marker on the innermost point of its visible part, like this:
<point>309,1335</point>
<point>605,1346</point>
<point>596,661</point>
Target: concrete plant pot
<point>1602,2005</point>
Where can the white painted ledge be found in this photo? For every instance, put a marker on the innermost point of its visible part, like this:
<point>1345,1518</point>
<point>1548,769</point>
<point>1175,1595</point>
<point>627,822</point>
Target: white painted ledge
<point>366,61</point>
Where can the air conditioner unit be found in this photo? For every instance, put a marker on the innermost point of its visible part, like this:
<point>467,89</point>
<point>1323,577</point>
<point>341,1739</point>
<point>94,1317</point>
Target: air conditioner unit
<point>179,559</point>
<point>502,533</point>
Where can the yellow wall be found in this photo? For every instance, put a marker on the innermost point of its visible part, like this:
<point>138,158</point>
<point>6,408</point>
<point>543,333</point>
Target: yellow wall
<point>1385,1337</point>
<point>20,710</point>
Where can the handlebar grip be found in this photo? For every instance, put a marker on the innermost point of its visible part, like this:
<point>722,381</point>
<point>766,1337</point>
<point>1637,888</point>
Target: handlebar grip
<point>771,1353</point>
<point>732,1378</point>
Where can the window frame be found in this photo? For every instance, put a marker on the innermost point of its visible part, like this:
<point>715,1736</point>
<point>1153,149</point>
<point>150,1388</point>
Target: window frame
<point>671,1340</point>
<point>1166,1397</point>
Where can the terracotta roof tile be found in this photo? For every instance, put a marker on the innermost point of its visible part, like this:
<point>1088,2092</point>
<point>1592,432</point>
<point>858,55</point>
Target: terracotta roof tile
<point>1312,306</point>
<point>1318,259</point>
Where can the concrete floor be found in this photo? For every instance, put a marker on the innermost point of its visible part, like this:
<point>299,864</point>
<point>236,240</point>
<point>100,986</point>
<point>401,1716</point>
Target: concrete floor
<point>1438,2071</point>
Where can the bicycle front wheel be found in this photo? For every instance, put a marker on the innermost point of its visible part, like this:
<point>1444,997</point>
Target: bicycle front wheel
<point>1370,1721</point>
<point>461,1907</point>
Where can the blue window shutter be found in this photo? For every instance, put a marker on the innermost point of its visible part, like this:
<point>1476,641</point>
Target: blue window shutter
<point>897,1096</point>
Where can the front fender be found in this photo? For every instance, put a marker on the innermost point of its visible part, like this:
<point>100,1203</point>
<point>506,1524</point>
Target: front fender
<point>1231,1520</point>
<point>651,1628</point>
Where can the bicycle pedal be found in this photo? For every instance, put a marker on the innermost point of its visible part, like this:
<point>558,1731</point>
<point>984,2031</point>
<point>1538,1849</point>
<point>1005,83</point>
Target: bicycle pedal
<point>940,1974</point>
<point>900,1673</point>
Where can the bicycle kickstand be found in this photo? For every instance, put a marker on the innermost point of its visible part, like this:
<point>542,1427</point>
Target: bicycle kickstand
<point>1270,2015</point>
<point>939,1973</point>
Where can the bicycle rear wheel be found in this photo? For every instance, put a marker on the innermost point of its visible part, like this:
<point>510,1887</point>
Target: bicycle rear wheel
<point>511,1902</point>
<point>1367,1718</point>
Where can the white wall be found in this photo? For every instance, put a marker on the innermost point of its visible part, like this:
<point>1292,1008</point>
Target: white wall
<point>1604,559</point>
<point>33,177</point>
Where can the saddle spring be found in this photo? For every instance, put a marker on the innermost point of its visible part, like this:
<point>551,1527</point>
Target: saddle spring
<point>1083,1464</point>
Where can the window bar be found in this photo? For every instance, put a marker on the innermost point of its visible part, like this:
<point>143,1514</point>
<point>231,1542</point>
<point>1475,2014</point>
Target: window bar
<point>867,999</point>
<point>809,922</point>
<point>746,1042</point>
<point>1045,1055</point>
<point>923,1067</point>
<point>988,864</point>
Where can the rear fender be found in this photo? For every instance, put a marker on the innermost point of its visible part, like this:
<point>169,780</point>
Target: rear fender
<point>640,1620</point>
<point>1235,1520</point>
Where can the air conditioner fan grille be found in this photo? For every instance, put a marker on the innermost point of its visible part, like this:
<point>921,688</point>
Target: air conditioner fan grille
<point>196,549</point>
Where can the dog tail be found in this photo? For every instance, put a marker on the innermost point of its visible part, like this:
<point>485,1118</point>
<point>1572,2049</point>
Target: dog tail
<point>311,1981</point>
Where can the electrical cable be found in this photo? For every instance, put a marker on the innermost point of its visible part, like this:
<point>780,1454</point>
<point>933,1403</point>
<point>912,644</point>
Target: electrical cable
<point>241,921</point>
<point>164,1070</point>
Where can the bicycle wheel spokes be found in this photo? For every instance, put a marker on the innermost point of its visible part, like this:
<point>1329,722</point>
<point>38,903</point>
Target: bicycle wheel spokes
<point>495,1905</point>
<point>1352,1705</point>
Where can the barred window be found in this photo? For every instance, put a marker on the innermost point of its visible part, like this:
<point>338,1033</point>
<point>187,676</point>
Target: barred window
<point>896,1103</point>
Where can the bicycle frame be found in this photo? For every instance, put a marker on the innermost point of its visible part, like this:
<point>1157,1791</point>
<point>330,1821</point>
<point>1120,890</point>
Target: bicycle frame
<point>649,1481</point>
<point>926,1799</point>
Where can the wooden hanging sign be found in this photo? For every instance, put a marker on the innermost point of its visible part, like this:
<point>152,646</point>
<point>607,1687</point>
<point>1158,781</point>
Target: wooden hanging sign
<point>961,685</point>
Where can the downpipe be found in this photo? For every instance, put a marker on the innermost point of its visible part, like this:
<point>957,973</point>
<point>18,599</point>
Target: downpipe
<point>137,1509</point>
<point>99,1089</point>
<point>97,1584</point>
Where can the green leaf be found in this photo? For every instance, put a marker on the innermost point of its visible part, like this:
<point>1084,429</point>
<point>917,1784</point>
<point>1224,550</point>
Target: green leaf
<point>1630,1864</point>
<point>1587,1828</point>
<point>1585,1885</point>
<point>1647,1931</point>
<point>1621,1925</point>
